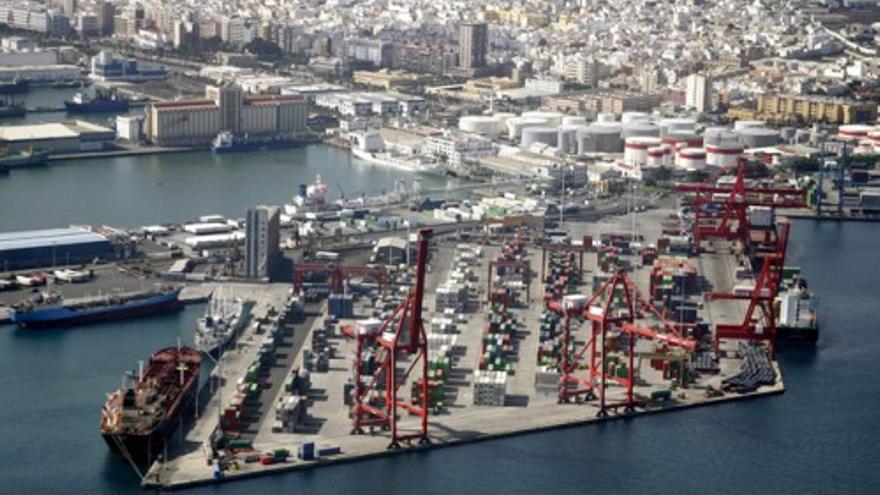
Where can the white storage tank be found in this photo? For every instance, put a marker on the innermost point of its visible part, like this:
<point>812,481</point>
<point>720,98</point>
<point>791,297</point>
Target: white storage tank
<point>543,134</point>
<point>802,136</point>
<point>723,155</point>
<point>668,126</point>
<point>553,118</point>
<point>758,137</point>
<point>640,128</point>
<point>516,125</point>
<point>635,150</point>
<point>854,131</point>
<point>599,138</point>
<point>606,117</point>
<point>787,134</point>
<point>630,117</point>
<point>874,138</point>
<point>572,120</point>
<point>657,156</point>
<point>691,159</point>
<point>568,136</point>
<point>483,125</point>
<point>717,136</point>
<point>678,139</point>
<point>745,124</point>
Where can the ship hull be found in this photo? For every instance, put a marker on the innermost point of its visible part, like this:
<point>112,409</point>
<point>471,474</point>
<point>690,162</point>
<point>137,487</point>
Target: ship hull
<point>797,336</point>
<point>52,318</point>
<point>143,449</point>
<point>240,146</point>
<point>14,88</point>
<point>96,107</point>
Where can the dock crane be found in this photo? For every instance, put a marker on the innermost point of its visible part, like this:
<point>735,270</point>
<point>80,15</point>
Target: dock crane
<point>400,338</point>
<point>618,304</point>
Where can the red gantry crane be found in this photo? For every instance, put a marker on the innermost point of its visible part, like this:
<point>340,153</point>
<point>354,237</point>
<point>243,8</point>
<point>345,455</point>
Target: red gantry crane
<point>731,220</point>
<point>617,304</point>
<point>401,335</point>
<point>760,318</point>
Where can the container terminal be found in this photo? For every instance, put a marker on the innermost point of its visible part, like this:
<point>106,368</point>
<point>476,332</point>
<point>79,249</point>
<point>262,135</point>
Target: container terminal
<point>475,330</point>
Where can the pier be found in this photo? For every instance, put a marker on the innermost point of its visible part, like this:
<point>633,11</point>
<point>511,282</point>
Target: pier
<point>527,408</point>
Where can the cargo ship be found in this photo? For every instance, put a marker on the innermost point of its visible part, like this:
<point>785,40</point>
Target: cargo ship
<point>223,320</point>
<point>797,323</point>
<point>227,142</point>
<point>101,103</point>
<point>48,309</point>
<point>137,419</point>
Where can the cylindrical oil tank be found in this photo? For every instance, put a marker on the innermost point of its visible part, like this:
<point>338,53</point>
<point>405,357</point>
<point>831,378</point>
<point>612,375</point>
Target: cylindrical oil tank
<point>680,138</point>
<point>543,134</point>
<point>758,137</point>
<point>691,159</point>
<point>570,120</point>
<point>720,136</point>
<point>723,155</point>
<point>483,125</point>
<point>657,156</point>
<point>854,131</point>
<point>670,125</point>
<point>568,138</point>
<point>635,149</point>
<point>874,138</point>
<point>553,118</point>
<point>640,128</point>
<point>630,117</point>
<point>516,125</point>
<point>606,117</point>
<point>787,134</point>
<point>745,124</point>
<point>599,138</point>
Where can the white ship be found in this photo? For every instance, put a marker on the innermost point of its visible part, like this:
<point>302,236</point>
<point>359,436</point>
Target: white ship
<point>309,198</point>
<point>417,164</point>
<point>223,320</point>
<point>370,147</point>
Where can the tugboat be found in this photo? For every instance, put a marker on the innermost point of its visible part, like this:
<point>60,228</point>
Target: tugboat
<point>103,102</point>
<point>137,418</point>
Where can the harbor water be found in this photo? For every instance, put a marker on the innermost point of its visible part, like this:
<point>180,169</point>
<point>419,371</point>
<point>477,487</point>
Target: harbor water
<point>819,437</point>
<point>143,190</point>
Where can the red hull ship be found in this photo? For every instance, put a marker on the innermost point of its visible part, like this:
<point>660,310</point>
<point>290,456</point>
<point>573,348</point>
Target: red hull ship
<point>138,418</point>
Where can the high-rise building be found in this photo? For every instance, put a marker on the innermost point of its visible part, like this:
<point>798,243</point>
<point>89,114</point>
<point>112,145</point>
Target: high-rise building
<point>106,12</point>
<point>473,45</point>
<point>699,92</point>
<point>68,7</point>
<point>262,238</point>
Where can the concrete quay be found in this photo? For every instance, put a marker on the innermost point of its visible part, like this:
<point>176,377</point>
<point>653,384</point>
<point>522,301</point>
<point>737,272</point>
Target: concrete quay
<point>526,408</point>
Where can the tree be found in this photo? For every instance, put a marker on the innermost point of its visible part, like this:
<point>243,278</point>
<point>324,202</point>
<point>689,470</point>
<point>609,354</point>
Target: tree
<point>264,50</point>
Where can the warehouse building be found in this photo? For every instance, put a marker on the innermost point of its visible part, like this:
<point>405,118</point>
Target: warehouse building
<point>226,108</point>
<point>59,137</point>
<point>50,247</point>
